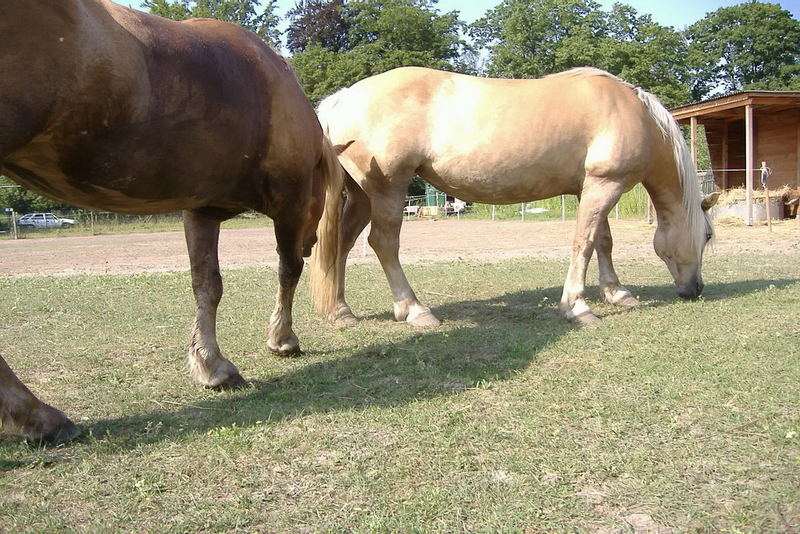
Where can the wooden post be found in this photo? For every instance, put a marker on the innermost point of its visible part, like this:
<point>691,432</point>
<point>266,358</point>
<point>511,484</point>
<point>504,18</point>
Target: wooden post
<point>764,176</point>
<point>494,210</point>
<point>725,156</point>
<point>649,209</point>
<point>693,137</point>
<point>748,127</point>
<point>563,208</point>
<point>523,211</point>
<point>14,224</point>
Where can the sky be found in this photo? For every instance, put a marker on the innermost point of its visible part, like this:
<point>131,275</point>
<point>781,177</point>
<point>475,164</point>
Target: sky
<point>675,13</point>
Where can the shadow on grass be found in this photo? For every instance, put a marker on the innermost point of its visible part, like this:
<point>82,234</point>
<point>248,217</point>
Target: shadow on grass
<point>505,335</point>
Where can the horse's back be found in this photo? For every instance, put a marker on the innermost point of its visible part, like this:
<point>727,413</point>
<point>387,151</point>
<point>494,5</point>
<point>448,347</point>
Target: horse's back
<point>497,140</point>
<point>136,113</point>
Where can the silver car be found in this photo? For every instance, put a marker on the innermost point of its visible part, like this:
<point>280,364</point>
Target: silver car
<point>44,220</point>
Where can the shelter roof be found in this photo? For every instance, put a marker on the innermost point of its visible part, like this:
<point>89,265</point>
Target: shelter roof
<point>731,106</point>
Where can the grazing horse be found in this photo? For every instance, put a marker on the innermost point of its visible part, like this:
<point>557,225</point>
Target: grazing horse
<point>109,108</point>
<point>582,132</point>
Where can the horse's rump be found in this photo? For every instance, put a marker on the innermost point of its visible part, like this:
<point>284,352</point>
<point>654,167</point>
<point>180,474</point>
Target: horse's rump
<point>136,113</point>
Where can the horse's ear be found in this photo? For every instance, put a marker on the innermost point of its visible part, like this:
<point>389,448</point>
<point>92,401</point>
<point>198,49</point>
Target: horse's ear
<point>341,148</point>
<point>709,201</point>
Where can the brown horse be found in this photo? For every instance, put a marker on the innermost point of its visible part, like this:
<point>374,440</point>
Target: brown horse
<point>583,132</point>
<point>105,107</point>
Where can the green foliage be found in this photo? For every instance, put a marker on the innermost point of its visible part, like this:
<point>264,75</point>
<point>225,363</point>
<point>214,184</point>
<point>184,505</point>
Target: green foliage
<point>242,12</point>
<point>753,45</point>
<point>533,38</point>
<point>381,35</point>
<point>24,201</point>
<point>317,22</point>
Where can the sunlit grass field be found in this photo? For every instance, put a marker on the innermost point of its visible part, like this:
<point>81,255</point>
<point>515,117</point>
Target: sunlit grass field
<point>681,415</point>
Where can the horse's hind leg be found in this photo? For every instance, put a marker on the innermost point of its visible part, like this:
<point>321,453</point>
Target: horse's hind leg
<point>206,363</point>
<point>384,238</point>
<point>21,413</point>
<point>613,292</point>
<point>597,199</point>
<point>354,219</point>
<point>288,233</point>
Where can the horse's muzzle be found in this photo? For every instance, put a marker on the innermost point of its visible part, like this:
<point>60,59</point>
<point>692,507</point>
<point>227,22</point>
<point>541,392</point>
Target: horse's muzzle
<point>691,291</point>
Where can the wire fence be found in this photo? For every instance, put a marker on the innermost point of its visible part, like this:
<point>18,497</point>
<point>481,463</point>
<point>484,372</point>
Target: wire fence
<point>633,204</point>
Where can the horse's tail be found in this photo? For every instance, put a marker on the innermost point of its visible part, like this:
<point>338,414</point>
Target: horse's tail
<point>326,275</point>
<point>687,172</point>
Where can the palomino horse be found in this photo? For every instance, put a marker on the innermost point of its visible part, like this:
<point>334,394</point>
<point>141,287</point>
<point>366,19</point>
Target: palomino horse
<point>105,107</point>
<point>581,132</point>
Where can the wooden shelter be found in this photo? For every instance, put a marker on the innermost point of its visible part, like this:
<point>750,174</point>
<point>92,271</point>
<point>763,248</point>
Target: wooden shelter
<point>745,129</point>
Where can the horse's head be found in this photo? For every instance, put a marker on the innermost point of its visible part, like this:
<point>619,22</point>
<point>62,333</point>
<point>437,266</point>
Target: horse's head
<point>681,247</point>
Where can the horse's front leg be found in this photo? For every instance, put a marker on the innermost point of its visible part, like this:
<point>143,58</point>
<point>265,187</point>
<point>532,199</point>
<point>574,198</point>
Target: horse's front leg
<point>281,338</point>
<point>21,413</point>
<point>597,199</point>
<point>206,363</point>
<point>613,291</point>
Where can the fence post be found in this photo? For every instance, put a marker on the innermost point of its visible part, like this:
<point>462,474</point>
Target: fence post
<point>563,208</point>
<point>14,224</point>
<point>765,172</point>
<point>494,208</point>
<point>522,211</point>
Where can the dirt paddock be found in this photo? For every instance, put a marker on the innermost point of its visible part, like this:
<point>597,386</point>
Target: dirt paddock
<point>421,241</point>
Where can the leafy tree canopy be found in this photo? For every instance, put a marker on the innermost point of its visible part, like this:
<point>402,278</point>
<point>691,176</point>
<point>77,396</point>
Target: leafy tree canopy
<point>378,35</point>
<point>533,38</point>
<point>318,22</point>
<point>243,12</point>
<point>753,45</point>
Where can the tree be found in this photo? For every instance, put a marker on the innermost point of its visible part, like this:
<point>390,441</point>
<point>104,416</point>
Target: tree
<point>752,45</point>
<point>317,22</point>
<point>242,12</point>
<point>24,201</point>
<point>381,35</point>
<point>533,38</point>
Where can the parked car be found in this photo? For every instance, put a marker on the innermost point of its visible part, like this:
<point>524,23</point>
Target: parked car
<point>44,220</point>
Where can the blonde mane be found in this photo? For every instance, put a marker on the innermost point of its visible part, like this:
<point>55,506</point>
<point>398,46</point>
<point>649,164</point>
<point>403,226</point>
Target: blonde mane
<point>698,223</point>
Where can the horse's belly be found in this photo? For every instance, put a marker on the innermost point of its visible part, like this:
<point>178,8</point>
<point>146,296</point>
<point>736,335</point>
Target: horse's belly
<point>502,184</point>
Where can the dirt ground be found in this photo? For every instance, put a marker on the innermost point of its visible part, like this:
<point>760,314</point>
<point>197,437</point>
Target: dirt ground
<point>421,241</point>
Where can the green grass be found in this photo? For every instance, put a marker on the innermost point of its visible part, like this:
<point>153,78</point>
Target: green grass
<point>504,419</point>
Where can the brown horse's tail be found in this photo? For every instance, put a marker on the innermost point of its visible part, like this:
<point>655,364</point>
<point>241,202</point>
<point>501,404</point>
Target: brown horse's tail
<point>326,275</point>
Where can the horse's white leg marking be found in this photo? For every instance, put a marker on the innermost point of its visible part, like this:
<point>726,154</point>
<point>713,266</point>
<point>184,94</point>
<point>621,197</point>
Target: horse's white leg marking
<point>206,364</point>
<point>384,238</point>
<point>613,292</point>
<point>597,199</point>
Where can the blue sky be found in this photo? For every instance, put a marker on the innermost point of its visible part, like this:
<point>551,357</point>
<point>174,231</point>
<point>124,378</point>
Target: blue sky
<point>675,13</point>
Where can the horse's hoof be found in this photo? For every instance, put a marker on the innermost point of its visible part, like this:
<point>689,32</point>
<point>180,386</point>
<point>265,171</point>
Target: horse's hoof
<point>425,319</point>
<point>344,318</point>
<point>628,301</point>
<point>66,432</point>
<point>586,317</point>
<point>286,350</point>
<point>233,382</point>
<point>623,298</point>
